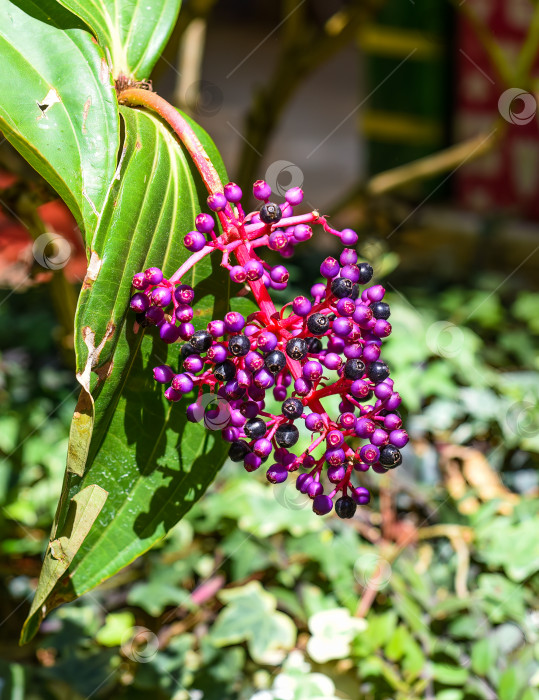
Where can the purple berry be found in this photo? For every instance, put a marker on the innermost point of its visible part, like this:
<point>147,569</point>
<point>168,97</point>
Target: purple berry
<point>348,257</point>
<point>204,223</point>
<point>253,270</point>
<point>193,363</point>
<point>183,383</point>
<point>163,374</point>
<point>194,241</point>
<point>349,237</point>
<point>267,341</point>
<point>172,394</point>
<point>234,322</point>
<point>330,268</point>
<point>312,370</point>
<point>238,274</point>
<point>263,379</point>
<point>216,201</point>
<point>322,505</point>
<point>139,302</point>
<point>347,420</point>
<point>251,462</point>
<point>279,274</point>
<point>233,192</point>
<point>392,422</point>
<point>302,233</point>
<point>314,422</point>
<point>302,387</point>
<point>262,447</point>
<point>168,332</point>
<point>369,454</point>
<point>185,330</point>
<point>277,473</point>
<point>140,281</point>
<point>336,474</point>
<point>277,240</point>
<point>376,293</point>
<point>361,496</point>
<point>364,428</point>
<point>399,438</point>
<point>332,361</point>
<point>345,307</point>
<point>318,291</point>
<point>184,294</point>
<point>184,313</point>
<point>261,190</point>
<point>371,352</point>
<point>294,196</point>
<point>154,275</point>
<point>342,327</point>
<point>315,489</point>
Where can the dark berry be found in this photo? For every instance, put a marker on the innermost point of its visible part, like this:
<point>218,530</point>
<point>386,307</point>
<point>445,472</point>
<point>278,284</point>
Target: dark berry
<point>201,341</point>
<point>355,292</point>
<point>254,428</point>
<point>187,350</point>
<point>238,450</point>
<point>296,348</point>
<point>345,507</point>
<point>314,345</point>
<point>342,287</point>
<point>286,435</point>
<point>292,408</point>
<point>270,213</point>
<point>353,369</point>
<point>390,457</point>
<point>365,273</point>
<point>318,324</point>
<point>275,361</point>
<point>225,371</point>
<point>377,372</point>
<point>380,309</point>
<point>239,345</point>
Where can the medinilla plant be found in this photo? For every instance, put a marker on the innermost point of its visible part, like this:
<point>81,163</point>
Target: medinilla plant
<point>178,293</point>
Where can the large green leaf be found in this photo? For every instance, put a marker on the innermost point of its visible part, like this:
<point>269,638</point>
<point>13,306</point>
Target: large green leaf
<point>142,451</point>
<point>58,107</point>
<point>134,31</point>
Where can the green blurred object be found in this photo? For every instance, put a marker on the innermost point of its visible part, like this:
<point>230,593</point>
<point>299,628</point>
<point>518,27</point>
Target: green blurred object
<point>407,103</point>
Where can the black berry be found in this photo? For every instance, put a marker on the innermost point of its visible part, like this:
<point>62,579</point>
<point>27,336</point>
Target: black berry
<point>255,428</point>
<point>345,507</point>
<point>318,324</point>
<point>239,345</point>
<point>238,450</point>
<point>188,349</point>
<point>296,348</point>
<point>377,372</point>
<point>353,369</point>
<point>286,435</point>
<point>292,408</point>
<point>390,457</point>
<point>270,213</point>
<point>314,345</point>
<point>342,287</point>
<point>275,361</point>
<point>225,371</point>
<point>380,309</point>
<point>365,273</point>
<point>201,341</point>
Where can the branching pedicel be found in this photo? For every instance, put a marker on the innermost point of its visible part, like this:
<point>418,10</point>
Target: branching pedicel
<point>325,345</point>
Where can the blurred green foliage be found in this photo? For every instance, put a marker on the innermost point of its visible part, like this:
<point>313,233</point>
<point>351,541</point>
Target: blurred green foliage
<point>251,596</point>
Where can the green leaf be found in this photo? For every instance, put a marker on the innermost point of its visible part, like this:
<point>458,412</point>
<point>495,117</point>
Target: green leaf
<point>484,654</point>
<point>154,463</point>
<point>116,629</point>
<point>250,616</point>
<point>509,685</point>
<point>449,675</point>
<point>134,31</point>
<point>60,111</point>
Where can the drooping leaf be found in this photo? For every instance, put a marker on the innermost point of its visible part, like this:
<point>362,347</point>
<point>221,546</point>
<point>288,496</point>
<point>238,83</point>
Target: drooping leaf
<point>59,109</point>
<point>142,450</point>
<point>134,31</point>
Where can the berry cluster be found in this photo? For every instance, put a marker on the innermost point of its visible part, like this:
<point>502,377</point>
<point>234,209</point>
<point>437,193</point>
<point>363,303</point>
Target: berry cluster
<point>325,345</point>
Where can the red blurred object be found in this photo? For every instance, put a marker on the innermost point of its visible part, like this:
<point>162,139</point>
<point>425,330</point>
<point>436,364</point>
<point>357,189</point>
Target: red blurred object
<point>19,267</point>
<point>508,177</point>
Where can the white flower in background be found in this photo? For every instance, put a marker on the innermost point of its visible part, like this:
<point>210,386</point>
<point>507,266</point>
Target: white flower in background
<point>332,632</point>
<point>296,682</point>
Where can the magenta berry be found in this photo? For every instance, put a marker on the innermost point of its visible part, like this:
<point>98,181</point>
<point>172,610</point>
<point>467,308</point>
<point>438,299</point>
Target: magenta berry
<point>194,241</point>
<point>233,192</point>
<point>294,196</point>
<point>261,190</point>
<point>217,201</point>
<point>140,302</point>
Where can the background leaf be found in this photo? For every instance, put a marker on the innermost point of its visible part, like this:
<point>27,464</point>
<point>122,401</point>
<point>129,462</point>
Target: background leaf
<point>134,31</point>
<point>59,109</point>
<point>154,463</point>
